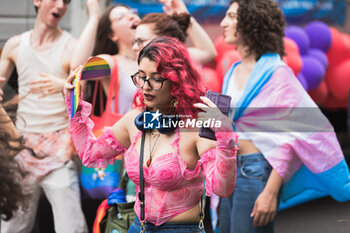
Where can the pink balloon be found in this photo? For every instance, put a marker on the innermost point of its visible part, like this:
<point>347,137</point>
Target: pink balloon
<point>338,80</point>
<point>221,47</point>
<point>346,39</point>
<point>292,58</point>
<point>210,79</point>
<point>332,102</point>
<point>226,61</point>
<point>290,46</point>
<point>294,61</point>
<point>337,52</point>
<point>320,94</point>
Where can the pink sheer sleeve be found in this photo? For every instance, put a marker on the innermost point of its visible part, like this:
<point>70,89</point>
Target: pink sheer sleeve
<point>93,152</point>
<point>219,165</point>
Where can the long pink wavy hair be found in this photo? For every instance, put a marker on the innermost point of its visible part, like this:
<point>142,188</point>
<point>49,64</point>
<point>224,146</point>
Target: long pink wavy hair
<point>174,63</point>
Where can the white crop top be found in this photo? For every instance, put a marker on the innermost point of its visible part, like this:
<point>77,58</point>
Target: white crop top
<point>235,94</point>
<point>126,92</point>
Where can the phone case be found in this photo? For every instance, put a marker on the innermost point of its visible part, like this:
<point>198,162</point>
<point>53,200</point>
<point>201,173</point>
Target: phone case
<point>223,102</point>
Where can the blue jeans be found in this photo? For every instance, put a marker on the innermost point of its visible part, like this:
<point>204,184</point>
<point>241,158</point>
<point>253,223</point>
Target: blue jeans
<point>166,227</point>
<point>253,172</point>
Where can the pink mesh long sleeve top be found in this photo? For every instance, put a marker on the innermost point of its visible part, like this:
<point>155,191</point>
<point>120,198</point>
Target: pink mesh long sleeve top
<point>170,187</point>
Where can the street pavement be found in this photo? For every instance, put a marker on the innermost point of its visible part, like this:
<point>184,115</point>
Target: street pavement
<point>319,216</point>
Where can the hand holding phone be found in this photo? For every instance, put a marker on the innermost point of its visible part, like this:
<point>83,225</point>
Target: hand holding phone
<point>223,103</point>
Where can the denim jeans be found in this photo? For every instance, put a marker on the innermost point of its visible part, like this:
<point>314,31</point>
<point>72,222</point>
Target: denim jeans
<point>166,227</point>
<point>253,172</point>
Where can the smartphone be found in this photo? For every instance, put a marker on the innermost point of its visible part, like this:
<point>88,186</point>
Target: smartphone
<point>223,102</point>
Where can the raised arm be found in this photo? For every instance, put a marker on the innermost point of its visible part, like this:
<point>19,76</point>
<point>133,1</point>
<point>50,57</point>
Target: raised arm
<point>75,54</point>
<point>204,49</point>
<point>219,163</point>
<point>86,42</point>
<point>93,152</point>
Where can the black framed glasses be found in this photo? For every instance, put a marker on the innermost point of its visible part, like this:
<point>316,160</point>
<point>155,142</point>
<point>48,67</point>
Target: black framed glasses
<point>155,83</point>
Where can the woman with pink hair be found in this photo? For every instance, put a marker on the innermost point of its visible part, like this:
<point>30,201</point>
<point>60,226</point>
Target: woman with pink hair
<point>176,159</point>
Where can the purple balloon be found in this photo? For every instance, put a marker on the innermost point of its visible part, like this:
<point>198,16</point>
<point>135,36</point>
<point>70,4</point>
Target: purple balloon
<point>303,81</point>
<point>319,34</point>
<point>319,55</point>
<point>299,36</point>
<point>313,71</point>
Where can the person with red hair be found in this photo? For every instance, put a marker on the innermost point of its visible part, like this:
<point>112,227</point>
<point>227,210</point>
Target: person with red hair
<point>177,159</point>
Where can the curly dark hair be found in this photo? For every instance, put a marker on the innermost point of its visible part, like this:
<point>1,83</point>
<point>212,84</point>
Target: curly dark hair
<point>260,24</point>
<point>12,195</point>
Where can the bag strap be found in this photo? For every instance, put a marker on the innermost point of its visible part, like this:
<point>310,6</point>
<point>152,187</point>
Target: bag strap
<point>201,215</point>
<point>141,194</point>
<point>113,87</point>
<point>142,183</point>
<point>98,87</point>
<point>124,181</point>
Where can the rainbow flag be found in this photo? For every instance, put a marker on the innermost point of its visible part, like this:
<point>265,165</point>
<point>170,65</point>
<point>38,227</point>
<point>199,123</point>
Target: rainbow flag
<point>75,93</point>
<point>95,67</point>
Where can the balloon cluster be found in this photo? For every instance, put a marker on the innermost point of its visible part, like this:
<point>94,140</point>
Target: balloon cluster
<point>319,56</point>
<point>321,61</point>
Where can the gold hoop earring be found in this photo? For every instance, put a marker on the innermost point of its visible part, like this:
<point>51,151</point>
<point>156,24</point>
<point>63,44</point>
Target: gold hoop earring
<point>174,103</point>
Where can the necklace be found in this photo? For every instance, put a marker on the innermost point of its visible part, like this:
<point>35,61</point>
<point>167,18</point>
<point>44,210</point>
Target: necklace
<point>128,57</point>
<point>149,161</point>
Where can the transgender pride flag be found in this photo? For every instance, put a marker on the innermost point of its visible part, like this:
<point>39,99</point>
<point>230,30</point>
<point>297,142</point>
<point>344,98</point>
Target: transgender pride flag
<point>283,122</point>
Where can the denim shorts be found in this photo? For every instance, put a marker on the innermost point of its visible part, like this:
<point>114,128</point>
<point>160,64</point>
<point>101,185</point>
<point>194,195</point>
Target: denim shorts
<point>253,172</point>
<point>166,227</point>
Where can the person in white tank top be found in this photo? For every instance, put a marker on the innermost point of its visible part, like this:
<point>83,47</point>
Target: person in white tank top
<point>44,57</point>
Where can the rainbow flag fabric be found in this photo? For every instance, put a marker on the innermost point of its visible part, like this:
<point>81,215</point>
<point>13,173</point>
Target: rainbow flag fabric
<point>95,67</point>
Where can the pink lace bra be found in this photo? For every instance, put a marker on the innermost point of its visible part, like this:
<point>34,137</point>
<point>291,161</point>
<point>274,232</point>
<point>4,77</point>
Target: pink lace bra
<point>166,172</point>
<point>170,188</point>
